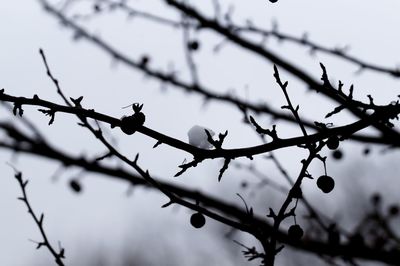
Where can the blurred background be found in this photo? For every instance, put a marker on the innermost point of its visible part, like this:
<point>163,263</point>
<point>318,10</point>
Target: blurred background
<point>105,225</point>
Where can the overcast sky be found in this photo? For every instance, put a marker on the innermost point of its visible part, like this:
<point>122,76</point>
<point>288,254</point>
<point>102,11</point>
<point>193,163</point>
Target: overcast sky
<point>103,218</point>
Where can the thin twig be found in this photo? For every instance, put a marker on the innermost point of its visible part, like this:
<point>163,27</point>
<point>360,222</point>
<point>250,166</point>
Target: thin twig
<point>58,256</point>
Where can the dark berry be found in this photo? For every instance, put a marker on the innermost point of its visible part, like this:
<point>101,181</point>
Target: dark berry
<point>128,125</point>
<point>295,232</point>
<point>193,45</point>
<point>337,154</point>
<point>393,210</point>
<point>197,220</point>
<point>75,186</point>
<point>332,143</point>
<point>325,183</point>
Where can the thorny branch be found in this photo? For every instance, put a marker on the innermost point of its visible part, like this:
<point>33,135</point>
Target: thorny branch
<point>304,40</point>
<point>269,234</point>
<point>45,150</point>
<point>350,104</point>
<point>173,198</point>
<point>347,130</point>
<point>173,80</point>
<point>58,256</point>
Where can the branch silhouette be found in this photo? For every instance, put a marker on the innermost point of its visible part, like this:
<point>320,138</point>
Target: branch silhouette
<point>45,150</point>
<point>58,256</point>
<point>273,228</point>
<point>208,94</point>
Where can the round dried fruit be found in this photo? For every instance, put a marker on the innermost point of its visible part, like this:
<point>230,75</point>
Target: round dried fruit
<point>197,220</point>
<point>325,183</point>
<point>332,142</point>
<point>337,154</point>
<point>393,210</point>
<point>128,125</point>
<point>295,232</point>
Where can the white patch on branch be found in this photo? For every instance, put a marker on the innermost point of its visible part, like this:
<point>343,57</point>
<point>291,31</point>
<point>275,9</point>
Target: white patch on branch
<point>198,137</point>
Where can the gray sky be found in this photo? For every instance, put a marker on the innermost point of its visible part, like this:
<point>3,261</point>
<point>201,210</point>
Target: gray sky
<point>102,215</point>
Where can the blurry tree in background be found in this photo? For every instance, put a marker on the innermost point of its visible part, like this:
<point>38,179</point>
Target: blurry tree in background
<point>290,218</point>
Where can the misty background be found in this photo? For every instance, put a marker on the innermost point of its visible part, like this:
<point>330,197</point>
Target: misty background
<point>105,224</point>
